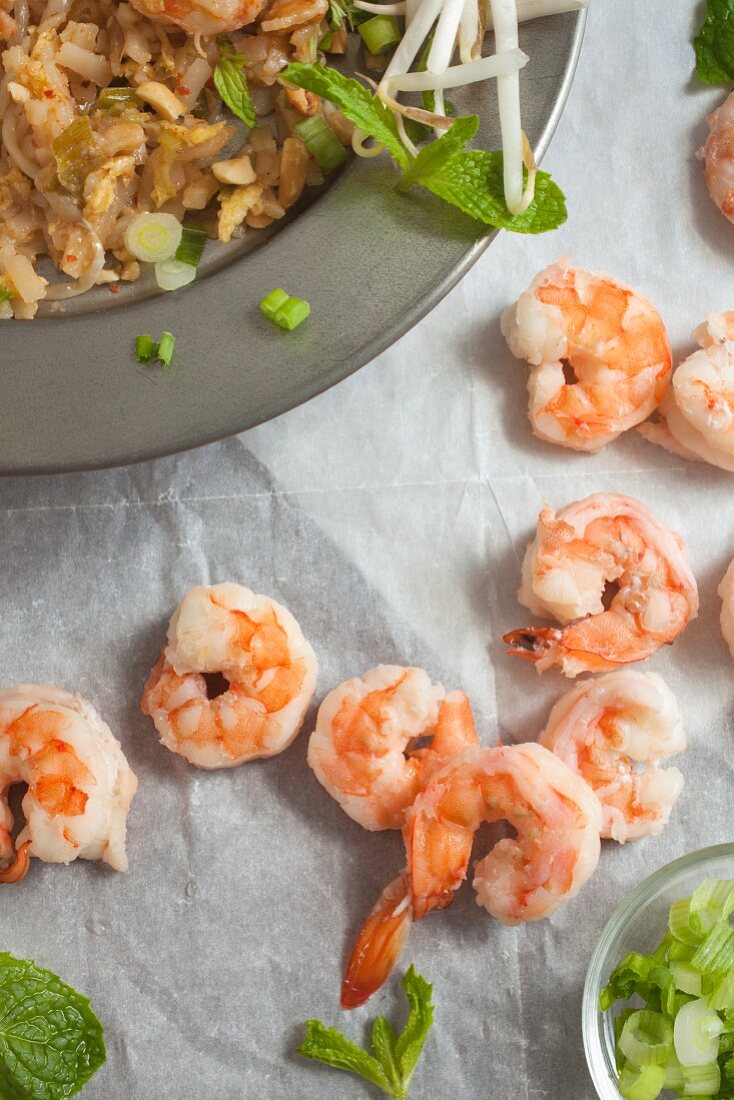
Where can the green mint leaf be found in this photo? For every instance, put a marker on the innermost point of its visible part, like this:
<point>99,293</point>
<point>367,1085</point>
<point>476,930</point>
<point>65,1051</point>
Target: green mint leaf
<point>50,1040</point>
<point>384,1040</point>
<point>714,43</point>
<point>472,180</point>
<point>439,152</point>
<point>231,85</point>
<point>356,102</point>
<point>410,1044</point>
<point>326,1044</point>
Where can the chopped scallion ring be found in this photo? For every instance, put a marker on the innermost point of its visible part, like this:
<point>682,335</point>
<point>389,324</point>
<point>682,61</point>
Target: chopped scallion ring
<point>146,348</point>
<point>153,237</point>
<point>645,1083</point>
<point>173,274</point>
<point>165,348</point>
<point>193,239</point>
<point>321,142</point>
<point>284,311</point>
<point>380,33</point>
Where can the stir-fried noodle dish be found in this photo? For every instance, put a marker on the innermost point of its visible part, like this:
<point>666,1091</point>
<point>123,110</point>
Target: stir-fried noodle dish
<point>135,130</point>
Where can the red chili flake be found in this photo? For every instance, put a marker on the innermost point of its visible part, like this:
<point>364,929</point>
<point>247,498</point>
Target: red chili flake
<point>114,288</point>
<point>181,89</point>
<point>71,259</point>
<point>48,92</point>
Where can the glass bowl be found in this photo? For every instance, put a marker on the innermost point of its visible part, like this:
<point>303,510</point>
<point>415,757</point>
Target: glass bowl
<point>638,925</point>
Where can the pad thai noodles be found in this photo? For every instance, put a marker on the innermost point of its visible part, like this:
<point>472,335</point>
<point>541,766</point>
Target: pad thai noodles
<point>133,130</point>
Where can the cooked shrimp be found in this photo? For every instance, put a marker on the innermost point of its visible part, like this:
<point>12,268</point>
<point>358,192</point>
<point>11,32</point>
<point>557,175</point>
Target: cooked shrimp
<point>557,818</point>
<point>698,410</point>
<point>614,731</point>
<point>726,592</point>
<point>604,539</point>
<point>362,748</point>
<point>80,785</point>
<point>611,337</point>
<point>202,16</point>
<point>259,649</point>
<point>718,157</point>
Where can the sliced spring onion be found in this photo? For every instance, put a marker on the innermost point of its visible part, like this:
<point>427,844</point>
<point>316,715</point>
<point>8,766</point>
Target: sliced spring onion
<point>173,274</point>
<point>686,978</point>
<point>715,956</point>
<point>647,1038</point>
<point>633,970</point>
<point>696,1034</point>
<point>165,348</point>
<point>702,1080</point>
<point>193,239</point>
<point>283,310</point>
<point>673,1072</point>
<point>680,925</point>
<point>146,348</point>
<point>153,237</point>
<point>645,1083</point>
<point>380,33</point>
<point>712,901</point>
<point>5,293</point>
<point>76,153</point>
<point>321,142</point>
<point>115,100</point>
<point>722,996</point>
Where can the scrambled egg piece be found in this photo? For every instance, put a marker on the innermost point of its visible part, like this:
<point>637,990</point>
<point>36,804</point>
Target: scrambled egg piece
<point>234,207</point>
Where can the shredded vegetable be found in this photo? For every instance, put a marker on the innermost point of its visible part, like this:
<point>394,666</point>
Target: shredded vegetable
<point>682,1039</point>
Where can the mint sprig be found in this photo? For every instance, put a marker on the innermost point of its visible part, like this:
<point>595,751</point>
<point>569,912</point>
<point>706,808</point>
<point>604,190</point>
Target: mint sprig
<point>470,179</point>
<point>394,1057</point>
<point>714,43</point>
<point>50,1039</point>
<point>231,83</point>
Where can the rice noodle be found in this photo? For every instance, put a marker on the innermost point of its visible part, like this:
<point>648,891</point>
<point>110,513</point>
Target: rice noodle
<point>12,147</point>
<point>61,291</point>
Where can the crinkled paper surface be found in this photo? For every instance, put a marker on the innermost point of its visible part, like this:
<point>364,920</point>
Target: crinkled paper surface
<point>390,515</point>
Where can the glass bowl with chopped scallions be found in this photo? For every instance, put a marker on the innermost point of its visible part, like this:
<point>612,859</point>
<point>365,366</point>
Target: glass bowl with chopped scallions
<point>658,1004</point>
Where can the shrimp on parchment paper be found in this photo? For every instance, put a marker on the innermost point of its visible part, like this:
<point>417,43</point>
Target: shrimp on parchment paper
<point>605,539</point>
<point>610,337</point>
<point>368,747</point>
<point>80,785</point>
<point>557,819</point>
<point>269,668</point>
<point>614,731</point>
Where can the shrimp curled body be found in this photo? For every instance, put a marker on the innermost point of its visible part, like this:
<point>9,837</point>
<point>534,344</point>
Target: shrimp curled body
<point>697,415</point>
<point>259,649</point>
<point>726,593</point>
<point>206,17</point>
<point>613,731</point>
<point>609,335</point>
<point>557,819</point>
<point>718,157</point>
<point>362,748</point>
<point>80,785</point>
<point>604,539</point>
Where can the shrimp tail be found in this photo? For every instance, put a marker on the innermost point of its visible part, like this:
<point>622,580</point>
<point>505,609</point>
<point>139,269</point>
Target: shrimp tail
<point>379,944</point>
<point>18,868</point>
<point>533,643</point>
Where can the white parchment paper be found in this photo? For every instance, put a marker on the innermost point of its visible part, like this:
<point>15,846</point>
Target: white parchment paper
<point>390,515</point>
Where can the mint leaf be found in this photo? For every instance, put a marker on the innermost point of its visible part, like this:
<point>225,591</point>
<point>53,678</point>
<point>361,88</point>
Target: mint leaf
<point>50,1040</point>
<point>231,85</point>
<point>356,102</point>
<point>472,180</point>
<point>435,155</point>
<point>714,43</point>
<point>410,1044</point>
<point>395,1057</point>
<point>384,1041</point>
<point>326,1044</point>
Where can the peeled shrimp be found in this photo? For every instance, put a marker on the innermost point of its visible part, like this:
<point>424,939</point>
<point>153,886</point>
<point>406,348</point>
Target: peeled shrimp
<point>80,785</point>
<point>726,592</point>
<point>613,732</point>
<point>259,649</point>
<point>718,157</point>
<point>361,750</point>
<point>611,337</point>
<point>697,415</point>
<point>604,539</point>
<point>557,819</point>
<point>202,16</point>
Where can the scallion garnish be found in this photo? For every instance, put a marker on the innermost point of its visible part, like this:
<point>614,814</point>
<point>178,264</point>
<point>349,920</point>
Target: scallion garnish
<point>165,348</point>
<point>116,100</point>
<point>76,153</point>
<point>283,310</point>
<point>193,239</point>
<point>321,142</point>
<point>682,1039</point>
<point>146,349</point>
<point>153,237</point>
<point>380,33</point>
<point>5,293</point>
<point>173,274</point>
